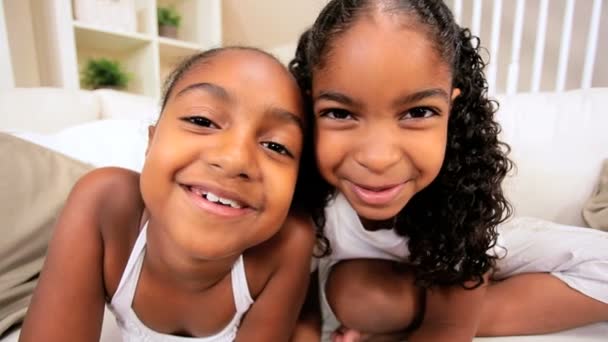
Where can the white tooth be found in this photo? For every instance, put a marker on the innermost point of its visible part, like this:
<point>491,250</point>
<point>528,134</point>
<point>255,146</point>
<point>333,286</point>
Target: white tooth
<point>211,197</point>
<point>225,201</point>
<point>235,205</point>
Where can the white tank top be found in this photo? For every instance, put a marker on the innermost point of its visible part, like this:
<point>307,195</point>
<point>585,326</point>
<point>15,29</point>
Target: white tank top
<point>132,329</point>
<point>349,240</point>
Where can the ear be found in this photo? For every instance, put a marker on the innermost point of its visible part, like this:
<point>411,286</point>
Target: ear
<point>455,93</point>
<point>151,130</point>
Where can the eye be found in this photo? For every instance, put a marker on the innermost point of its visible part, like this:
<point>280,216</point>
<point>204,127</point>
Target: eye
<point>336,114</point>
<point>276,147</point>
<point>419,113</point>
<point>200,121</point>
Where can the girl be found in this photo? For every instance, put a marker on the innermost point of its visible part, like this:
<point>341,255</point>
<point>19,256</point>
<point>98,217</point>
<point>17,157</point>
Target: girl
<point>192,249</point>
<point>406,135</point>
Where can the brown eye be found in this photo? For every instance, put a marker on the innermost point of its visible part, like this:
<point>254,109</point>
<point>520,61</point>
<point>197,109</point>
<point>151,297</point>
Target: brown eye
<point>200,121</point>
<point>336,114</point>
<point>278,148</point>
<point>419,113</point>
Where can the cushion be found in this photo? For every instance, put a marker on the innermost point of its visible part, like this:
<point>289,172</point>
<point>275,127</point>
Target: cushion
<point>46,110</point>
<point>558,143</point>
<point>100,143</point>
<point>121,105</point>
<point>595,211</point>
<point>35,183</point>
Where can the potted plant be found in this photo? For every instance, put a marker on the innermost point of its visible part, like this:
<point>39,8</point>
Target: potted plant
<point>168,21</point>
<point>104,73</point>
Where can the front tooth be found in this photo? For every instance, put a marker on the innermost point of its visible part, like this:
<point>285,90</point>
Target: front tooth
<point>211,197</point>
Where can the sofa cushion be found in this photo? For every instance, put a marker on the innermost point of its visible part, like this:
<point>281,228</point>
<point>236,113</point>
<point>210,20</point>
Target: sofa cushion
<point>558,143</point>
<point>595,212</point>
<point>121,105</point>
<point>34,184</point>
<point>46,109</point>
<point>100,143</point>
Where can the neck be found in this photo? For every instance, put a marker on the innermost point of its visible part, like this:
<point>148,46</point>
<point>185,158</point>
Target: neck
<point>166,262</point>
<point>374,225</point>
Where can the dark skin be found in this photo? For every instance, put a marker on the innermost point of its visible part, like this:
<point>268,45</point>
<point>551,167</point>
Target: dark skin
<point>387,129</point>
<point>221,133</point>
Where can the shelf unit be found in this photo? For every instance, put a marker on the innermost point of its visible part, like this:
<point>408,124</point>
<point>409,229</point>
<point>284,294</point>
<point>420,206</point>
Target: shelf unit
<point>63,44</point>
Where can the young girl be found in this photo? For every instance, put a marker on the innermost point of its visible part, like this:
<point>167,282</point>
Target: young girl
<point>192,249</point>
<point>406,135</point>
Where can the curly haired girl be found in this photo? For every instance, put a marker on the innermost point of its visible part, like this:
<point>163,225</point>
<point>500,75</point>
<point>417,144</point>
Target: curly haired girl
<point>406,135</point>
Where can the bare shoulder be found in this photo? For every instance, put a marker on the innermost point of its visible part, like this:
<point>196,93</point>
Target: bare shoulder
<point>292,245</point>
<point>297,236</point>
<point>110,193</point>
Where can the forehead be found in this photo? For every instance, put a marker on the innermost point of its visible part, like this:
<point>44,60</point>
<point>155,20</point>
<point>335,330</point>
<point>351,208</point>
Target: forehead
<point>382,50</point>
<point>245,75</point>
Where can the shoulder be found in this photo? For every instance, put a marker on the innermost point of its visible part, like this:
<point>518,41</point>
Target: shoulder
<point>115,206</point>
<point>293,244</point>
<point>108,192</point>
<point>296,236</point>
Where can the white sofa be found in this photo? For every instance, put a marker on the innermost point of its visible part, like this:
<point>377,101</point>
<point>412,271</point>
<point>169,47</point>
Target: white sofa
<point>558,142</point>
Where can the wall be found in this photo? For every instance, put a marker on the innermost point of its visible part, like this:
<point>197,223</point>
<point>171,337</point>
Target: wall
<point>22,42</point>
<point>6,71</point>
<point>275,25</point>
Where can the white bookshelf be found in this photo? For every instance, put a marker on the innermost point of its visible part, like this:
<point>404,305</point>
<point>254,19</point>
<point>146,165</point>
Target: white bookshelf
<point>64,44</point>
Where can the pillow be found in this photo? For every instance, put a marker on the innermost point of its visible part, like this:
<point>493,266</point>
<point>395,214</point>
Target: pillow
<point>595,211</point>
<point>46,109</point>
<point>34,184</point>
<point>121,105</point>
<point>100,143</point>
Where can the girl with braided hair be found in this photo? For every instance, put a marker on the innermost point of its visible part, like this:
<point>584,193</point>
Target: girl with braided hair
<point>406,136</point>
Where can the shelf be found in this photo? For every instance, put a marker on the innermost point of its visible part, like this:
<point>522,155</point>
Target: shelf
<point>173,48</point>
<point>93,37</point>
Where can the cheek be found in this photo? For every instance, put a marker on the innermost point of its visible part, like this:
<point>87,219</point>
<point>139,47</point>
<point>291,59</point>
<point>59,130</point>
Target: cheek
<point>429,155</point>
<point>329,151</point>
<point>280,185</point>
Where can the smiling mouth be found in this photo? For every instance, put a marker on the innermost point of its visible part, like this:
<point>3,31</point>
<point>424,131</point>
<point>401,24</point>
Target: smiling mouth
<point>213,198</point>
<point>215,204</point>
<point>377,195</point>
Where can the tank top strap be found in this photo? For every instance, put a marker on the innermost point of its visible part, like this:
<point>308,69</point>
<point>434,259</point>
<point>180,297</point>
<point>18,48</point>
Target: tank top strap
<point>128,282</point>
<point>240,288</point>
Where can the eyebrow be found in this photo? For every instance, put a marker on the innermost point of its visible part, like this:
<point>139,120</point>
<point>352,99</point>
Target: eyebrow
<point>421,95</point>
<point>418,96</point>
<point>283,115</point>
<point>335,96</point>
<point>210,88</point>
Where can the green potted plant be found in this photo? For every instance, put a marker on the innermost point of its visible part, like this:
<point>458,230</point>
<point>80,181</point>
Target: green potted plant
<point>104,73</point>
<point>168,21</point>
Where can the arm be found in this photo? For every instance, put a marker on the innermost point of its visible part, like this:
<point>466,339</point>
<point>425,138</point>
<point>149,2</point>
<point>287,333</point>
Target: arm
<point>451,314</point>
<point>68,302</point>
<point>308,327</point>
<point>273,315</point>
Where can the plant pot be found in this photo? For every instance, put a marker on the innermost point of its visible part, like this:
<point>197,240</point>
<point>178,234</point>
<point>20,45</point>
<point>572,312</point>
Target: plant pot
<point>167,31</point>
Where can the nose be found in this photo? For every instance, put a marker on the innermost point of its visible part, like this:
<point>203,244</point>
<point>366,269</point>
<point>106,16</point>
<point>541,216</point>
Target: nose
<point>234,156</point>
<point>378,151</point>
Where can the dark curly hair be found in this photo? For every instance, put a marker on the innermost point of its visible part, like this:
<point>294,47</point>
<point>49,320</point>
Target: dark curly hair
<point>311,191</point>
<point>452,223</point>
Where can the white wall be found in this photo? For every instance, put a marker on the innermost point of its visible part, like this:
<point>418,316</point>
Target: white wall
<point>22,42</point>
<point>275,25</point>
<point>6,70</point>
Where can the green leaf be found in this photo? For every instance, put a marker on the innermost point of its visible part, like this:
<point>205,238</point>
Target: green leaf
<point>104,73</point>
